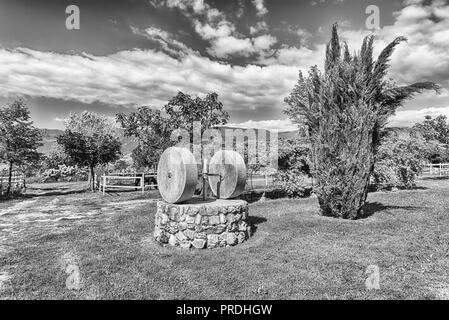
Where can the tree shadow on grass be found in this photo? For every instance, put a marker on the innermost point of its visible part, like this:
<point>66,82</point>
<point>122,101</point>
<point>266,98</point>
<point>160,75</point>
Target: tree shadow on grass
<point>435,178</point>
<point>25,196</point>
<point>253,221</point>
<point>370,208</point>
<point>53,193</point>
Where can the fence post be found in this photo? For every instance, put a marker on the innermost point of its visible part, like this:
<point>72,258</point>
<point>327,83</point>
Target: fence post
<point>104,184</point>
<point>142,182</point>
<point>266,181</point>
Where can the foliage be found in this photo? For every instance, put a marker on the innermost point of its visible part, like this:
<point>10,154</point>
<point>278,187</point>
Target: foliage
<point>64,172</point>
<point>436,132</point>
<point>399,160</point>
<point>183,110</point>
<point>294,154</point>
<point>345,109</point>
<point>293,175</point>
<point>293,182</point>
<point>153,129</point>
<point>124,164</point>
<point>19,139</point>
<point>90,151</point>
<point>89,123</point>
<point>55,158</point>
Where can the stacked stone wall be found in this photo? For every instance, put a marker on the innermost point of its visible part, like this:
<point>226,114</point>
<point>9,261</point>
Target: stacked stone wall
<point>201,225</point>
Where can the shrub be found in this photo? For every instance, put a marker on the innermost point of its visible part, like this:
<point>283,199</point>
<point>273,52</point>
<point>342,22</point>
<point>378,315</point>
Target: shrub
<point>293,182</point>
<point>399,160</point>
<point>293,175</point>
<point>64,173</point>
<point>15,191</point>
<point>435,131</point>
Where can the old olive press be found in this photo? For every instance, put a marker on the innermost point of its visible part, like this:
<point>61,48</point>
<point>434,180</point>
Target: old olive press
<point>184,220</point>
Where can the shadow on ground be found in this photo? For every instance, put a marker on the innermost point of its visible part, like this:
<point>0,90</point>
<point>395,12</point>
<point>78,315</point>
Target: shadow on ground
<point>253,221</point>
<point>370,208</point>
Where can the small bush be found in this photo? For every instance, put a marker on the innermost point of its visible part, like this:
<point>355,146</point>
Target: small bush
<point>293,175</point>
<point>400,160</point>
<point>293,182</point>
<point>64,173</point>
<point>16,190</point>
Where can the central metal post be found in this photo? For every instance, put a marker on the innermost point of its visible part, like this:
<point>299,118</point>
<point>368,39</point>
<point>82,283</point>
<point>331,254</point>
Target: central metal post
<point>205,173</point>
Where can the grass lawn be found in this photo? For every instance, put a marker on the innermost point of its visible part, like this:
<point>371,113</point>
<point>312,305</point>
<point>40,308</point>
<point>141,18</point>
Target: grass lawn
<point>294,253</point>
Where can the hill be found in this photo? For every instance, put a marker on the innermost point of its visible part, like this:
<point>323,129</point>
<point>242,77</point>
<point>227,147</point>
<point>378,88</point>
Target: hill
<point>49,140</point>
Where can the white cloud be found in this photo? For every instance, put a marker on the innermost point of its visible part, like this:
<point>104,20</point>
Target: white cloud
<point>263,42</point>
<point>407,118</point>
<point>212,25</point>
<point>165,39</point>
<point>425,57</point>
<point>260,7</point>
<point>138,77</point>
<point>151,77</point>
<point>260,26</point>
<point>208,32</point>
<point>281,125</point>
<point>230,45</point>
<point>225,46</point>
<point>302,58</point>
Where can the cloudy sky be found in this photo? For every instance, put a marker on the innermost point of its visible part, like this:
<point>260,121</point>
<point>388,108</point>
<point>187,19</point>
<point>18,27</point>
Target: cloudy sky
<point>142,52</point>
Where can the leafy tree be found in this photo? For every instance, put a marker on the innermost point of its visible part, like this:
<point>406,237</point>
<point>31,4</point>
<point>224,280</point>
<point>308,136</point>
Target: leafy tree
<point>294,153</point>
<point>345,109</point>
<point>88,146</point>
<point>56,157</point>
<point>183,111</point>
<point>436,133</point>
<point>400,159</point>
<point>19,139</point>
<point>152,128</point>
<point>293,175</point>
<point>88,123</point>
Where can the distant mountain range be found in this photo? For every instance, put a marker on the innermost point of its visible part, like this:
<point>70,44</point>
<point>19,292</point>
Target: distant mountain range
<point>128,144</point>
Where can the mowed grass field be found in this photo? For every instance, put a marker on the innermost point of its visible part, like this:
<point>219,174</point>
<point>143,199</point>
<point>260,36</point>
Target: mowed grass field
<point>293,254</point>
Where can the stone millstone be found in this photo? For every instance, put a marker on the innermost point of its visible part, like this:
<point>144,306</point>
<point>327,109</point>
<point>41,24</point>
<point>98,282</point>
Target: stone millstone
<point>231,167</point>
<point>177,175</point>
<point>209,224</point>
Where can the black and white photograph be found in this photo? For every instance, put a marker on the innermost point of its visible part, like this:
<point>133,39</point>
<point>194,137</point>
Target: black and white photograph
<point>236,152</point>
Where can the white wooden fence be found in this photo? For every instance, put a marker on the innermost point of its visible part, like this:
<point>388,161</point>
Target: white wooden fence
<point>17,181</point>
<point>106,180</point>
<point>436,169</point>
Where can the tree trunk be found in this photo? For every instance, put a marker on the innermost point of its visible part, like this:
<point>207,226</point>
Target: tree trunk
<point>343,168</point>
<point>89,178</point>
<point>8,189</point>
<point>92,178</point>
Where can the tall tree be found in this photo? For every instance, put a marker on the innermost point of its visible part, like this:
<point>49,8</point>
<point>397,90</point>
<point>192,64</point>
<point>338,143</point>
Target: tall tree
<point>89,141</point>
<point>436,133</point>
<point>184,110</point>
<point>88,123</point>
<point>19,139</point>
<point>345,109</point>
<point>153,128</point>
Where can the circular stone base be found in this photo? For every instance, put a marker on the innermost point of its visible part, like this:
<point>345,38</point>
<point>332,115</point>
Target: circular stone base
<point>202,224</point>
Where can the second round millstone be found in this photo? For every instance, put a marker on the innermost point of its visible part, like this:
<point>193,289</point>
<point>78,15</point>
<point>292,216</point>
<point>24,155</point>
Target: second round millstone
<point>232,170</point>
